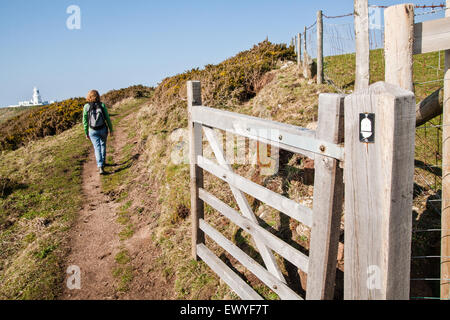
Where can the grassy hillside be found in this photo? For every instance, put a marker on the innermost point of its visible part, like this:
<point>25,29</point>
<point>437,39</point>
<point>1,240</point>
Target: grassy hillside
<point>270,92</point>
<point>9,113</point>
<point>37,208</point>
<point>41,197</point>
<point>281,95</point>
<point>30,124</point>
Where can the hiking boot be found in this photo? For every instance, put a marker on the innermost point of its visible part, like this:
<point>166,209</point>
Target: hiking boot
<point>101,171</point>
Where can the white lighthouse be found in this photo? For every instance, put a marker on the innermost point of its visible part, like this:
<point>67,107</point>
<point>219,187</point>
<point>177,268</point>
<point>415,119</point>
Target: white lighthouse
<point>35,101</point>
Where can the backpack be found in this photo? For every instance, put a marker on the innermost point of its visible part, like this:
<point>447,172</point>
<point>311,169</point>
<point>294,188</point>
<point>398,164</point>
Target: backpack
<point>96,116</point>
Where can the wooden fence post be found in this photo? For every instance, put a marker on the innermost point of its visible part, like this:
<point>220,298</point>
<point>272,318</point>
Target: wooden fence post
<point>319,47</point>
<point>379,179</point>
<point>305,51</point>
<point>194,98</point>
<point>328,197</point>
<point>398,48</point>
<point>299,49</point>
<point>362,73</point>
<point>445,225</point>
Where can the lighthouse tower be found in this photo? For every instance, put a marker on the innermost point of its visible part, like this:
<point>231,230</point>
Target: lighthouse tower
<point>36,97</point>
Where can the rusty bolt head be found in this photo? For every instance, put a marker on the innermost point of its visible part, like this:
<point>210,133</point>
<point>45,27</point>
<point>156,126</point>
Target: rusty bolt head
<point>323,148</point>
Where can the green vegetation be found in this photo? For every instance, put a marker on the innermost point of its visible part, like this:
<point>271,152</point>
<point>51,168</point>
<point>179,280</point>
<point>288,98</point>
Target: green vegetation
<point>124,271</point>
<point>427,67</point>
<point>134,92</point>
<point>281,95</point>
<point>41,199</point>
<point>9,113</point>
<point>39,122</point>
<point>32,124</point>
<point>40,182</point>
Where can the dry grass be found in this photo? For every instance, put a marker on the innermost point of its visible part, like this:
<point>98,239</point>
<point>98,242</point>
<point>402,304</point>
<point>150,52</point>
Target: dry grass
<point>282,96</point>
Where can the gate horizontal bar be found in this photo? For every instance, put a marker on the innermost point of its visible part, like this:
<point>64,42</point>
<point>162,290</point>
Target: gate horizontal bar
<point>289,207</point>
<point>433,35</point>
<point>242,289</point>
<point>265,276</point>
<point>291,254</point>
<point>281,135</point>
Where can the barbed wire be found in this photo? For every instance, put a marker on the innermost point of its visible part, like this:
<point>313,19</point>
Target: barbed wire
<point>430,12</point>
<point>340,16</point>
<point>429,279</point>
<point>433,6</point>
<point>431,126</point>
<point>431,81</point>
<point>315,22</point>
<point>430,230</point>
<point>429,257</point>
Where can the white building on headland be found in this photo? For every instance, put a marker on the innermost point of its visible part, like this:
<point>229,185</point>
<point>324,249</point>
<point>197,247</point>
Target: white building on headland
<point>36,101</point>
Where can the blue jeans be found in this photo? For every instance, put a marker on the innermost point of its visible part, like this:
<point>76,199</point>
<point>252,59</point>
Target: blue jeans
<point>98,139</point>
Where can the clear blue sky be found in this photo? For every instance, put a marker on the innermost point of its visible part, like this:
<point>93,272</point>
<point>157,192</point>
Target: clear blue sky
<point>122,43</point>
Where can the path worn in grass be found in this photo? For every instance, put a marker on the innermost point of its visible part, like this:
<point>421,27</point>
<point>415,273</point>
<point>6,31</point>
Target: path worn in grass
<point>97,245</point>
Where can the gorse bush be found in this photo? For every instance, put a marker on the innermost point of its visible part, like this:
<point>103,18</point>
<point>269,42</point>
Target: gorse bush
<point>236,78</point>
<point>40,122</point>
<point>114,96</point>
<point>234,81</point>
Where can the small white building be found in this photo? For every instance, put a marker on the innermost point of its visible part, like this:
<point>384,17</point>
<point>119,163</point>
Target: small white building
<point>36,101</point>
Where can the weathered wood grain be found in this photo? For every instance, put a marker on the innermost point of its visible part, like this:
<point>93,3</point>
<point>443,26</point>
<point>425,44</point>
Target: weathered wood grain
<point>266,277</point>
<point>328,199</point>
<point>280,135</point>
<point>239,286</point>
<point>319,47</point>
<point>432,35</point>
<point>289,207</point>
<point>194,98</point>
<point>362,74</point>
<point>266,253</point>
<point>379,180</point>
<point>279,246</point>
<point>398,45</point>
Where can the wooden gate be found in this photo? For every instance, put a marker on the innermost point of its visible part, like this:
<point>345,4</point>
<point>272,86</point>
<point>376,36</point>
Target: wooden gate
<point>323,145</point>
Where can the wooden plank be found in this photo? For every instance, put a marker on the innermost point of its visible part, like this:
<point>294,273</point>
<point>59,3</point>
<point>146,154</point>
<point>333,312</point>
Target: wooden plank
<point>239,286</point>
<point>379,180</point>
<point>362,74</point>
<point>398,45</point>
<point>280,135</point>
<point>287,206</point>
<point>429,108</point>
<point>433,35</point>
<point>194,97</point>
<point>266,254</point>
<point>237,124</point>
<point>445,214</point>
<point>283,291</point>
<point>328,198</point>
<point>282,248</point>
<point>319,47</point>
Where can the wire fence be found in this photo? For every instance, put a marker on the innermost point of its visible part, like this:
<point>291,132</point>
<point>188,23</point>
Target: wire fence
<point>339,65</point>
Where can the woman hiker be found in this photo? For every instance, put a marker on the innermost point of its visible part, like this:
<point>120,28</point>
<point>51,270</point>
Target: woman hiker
<point>96,124</point>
